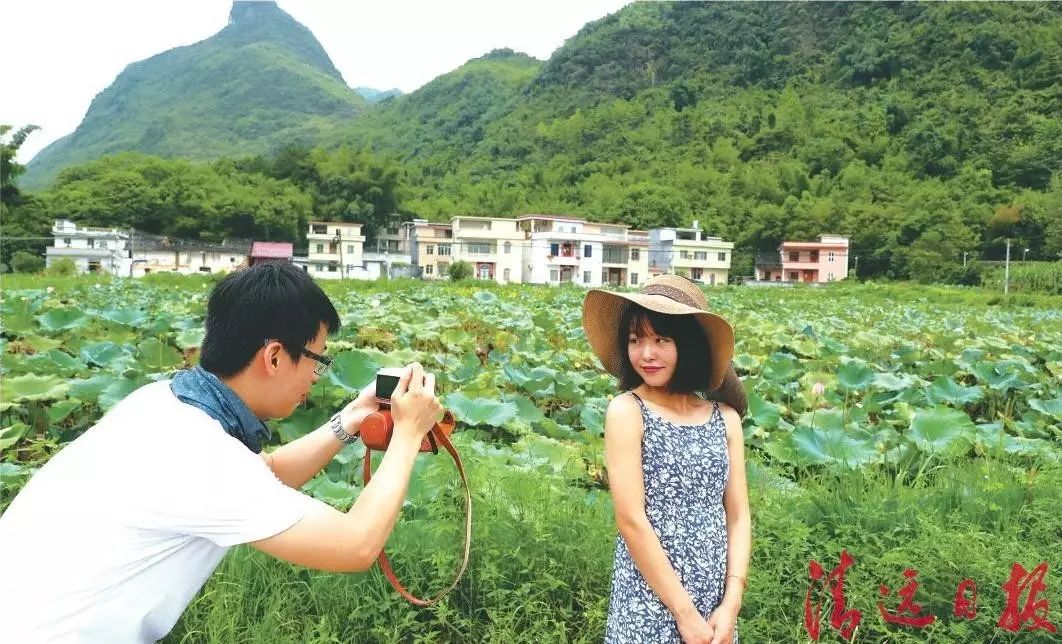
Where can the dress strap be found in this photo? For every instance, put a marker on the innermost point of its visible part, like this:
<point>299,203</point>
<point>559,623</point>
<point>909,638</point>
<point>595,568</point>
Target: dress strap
<point>636,397</point>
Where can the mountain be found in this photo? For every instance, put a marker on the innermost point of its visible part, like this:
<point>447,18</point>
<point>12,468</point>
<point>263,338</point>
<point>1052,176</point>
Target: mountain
<point>375,95</point>
<point>912,127</point>
<point>261,82</point>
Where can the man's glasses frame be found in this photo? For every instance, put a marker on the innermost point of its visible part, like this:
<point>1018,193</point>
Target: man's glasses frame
<point>323,362</point>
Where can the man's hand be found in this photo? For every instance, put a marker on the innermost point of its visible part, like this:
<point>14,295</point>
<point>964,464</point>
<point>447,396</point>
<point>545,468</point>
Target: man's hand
<point>356,411</point>
<point>414,407</point>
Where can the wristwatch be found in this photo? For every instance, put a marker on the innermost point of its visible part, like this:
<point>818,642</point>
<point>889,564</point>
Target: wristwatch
<point>340,433</point>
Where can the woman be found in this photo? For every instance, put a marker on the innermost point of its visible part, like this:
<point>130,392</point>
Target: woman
<point>676,464</point>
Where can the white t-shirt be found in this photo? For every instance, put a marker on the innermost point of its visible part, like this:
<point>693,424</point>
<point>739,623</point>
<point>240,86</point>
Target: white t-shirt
<point>114,536</point>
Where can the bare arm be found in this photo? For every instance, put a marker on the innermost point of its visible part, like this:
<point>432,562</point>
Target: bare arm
<point>328,539</point>
<point>738,530</point>
<point>301,459</point>
<point>623,457</point>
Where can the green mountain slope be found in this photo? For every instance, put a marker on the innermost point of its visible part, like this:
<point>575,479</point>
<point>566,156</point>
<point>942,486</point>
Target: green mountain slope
<point>261,82</point>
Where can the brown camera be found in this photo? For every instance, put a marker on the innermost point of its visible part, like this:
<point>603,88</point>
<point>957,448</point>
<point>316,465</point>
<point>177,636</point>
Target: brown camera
<point>376,431</point>
<point>378,427</point>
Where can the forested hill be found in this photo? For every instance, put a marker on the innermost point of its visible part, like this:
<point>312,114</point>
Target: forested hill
<point>260,83</point>
<point>920,129</point>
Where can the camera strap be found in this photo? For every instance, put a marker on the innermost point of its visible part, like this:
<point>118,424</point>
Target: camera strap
<point>435,436</point>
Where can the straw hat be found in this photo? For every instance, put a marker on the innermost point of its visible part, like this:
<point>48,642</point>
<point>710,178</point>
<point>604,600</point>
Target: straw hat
<point>673,295</point>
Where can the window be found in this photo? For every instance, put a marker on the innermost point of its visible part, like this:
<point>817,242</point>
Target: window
<point>508,247</point>
<point>829,277</point>
<point>794,256</point>
<point>814,256</point>
<point>505,275</point>
<point>479,249</point>
<point>429,269</point>
<point>684,254</point>
<point>554,249</point>
<point>586,275</point>
<point>103,245</point>
<point>554,275</point>
<point>350,248</point>
<point>392,230</point>
<point>586,253</point>
<point>320,229</point>
<point>794,276</point>
<point>722,257</point>
<point>91,243</point>
<point>204,269</point>
<point>636,254</point>
<point>318,268</point>
<point>634,279</point>
<point>331,268</point>
<point>830,257</point>
<point>429,250</point>
<point>697,273</point>
<point>444,250</point>
<point>66,242</point>
<point>701,255</point>
<point>320,249</point>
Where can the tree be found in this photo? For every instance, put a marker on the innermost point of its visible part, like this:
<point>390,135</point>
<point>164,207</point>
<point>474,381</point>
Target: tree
<point>26,262</point>
<point>459,270</point>
<point>25,224</point>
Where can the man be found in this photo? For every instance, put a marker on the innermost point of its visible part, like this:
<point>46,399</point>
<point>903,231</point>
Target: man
<point>114,536</point>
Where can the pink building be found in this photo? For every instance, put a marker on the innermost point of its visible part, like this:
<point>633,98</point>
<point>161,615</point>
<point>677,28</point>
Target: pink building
<point>823,261</point>
<point>262,252</point>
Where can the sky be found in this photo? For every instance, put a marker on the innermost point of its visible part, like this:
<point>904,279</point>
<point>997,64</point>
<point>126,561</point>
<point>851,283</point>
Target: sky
<point>61,53</point>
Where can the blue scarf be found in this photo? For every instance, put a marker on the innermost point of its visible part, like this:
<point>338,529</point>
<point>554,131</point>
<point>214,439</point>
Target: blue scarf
<point>200,388</point>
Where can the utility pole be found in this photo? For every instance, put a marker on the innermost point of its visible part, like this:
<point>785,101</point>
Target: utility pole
<point>964,254</point>
<point>1006,270</point>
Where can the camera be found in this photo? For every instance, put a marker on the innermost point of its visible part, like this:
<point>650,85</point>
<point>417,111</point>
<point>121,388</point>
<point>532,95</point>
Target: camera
<point>386,381</point>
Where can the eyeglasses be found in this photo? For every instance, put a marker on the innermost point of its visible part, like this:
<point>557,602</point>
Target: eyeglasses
<point>323,362</point>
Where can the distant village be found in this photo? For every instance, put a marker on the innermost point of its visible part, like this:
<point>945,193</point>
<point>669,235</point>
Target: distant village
<point>530,249</point>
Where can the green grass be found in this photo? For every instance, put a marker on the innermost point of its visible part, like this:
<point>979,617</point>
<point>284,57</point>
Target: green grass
<point>542,556</point>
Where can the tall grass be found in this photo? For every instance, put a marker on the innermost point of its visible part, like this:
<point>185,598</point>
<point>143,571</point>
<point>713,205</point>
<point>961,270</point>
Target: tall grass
<point>542,556</point>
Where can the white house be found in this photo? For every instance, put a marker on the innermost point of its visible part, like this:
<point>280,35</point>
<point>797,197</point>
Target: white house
<point>91,249</point>
<point>691,253</point>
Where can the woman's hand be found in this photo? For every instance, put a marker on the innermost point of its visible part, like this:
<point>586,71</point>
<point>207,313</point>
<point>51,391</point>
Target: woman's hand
<point>723,620</point>
<point>694,629</point>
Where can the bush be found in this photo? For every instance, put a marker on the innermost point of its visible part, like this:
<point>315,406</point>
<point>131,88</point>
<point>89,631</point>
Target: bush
<point>460,270</point>
<point>62,267</point>
<point>26,262</point>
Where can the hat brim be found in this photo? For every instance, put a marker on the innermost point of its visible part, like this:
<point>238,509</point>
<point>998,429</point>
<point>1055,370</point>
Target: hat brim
<point>602,311</point>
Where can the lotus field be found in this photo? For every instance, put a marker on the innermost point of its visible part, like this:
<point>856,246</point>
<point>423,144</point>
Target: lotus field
<point>913,427</point>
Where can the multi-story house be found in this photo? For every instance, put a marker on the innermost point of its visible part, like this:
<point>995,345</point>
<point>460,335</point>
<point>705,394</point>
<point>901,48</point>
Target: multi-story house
<point>91,249</point>
<point>390,253</point>
<point>492,245</point>
<point>158,254</point>
<point>691,253</point>
<point>638,262</point>
<point>566,250</point>
<point>432,248</point>
<point>823,261</point>
<point>336,250</point>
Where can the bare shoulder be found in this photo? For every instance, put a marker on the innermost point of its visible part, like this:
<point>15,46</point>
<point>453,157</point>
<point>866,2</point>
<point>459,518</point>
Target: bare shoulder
<point>623,416</point>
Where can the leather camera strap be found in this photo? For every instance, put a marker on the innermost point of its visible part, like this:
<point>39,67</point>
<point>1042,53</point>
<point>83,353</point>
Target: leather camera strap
<point>435,434</point>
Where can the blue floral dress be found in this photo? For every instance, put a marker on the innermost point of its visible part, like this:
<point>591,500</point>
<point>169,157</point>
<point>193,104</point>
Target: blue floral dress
<point>686,468</point>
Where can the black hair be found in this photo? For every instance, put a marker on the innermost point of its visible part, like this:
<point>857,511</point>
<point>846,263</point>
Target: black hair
<point>270,301</point>
<point>693,370</point>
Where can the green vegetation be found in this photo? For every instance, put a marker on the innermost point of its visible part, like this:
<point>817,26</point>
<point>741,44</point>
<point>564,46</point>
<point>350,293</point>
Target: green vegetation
<point>259,84</point>
<point>924,131</point>
<point>934,445</point>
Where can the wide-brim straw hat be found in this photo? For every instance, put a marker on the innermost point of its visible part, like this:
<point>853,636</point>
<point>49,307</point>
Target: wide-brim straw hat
<point>671,295</point>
